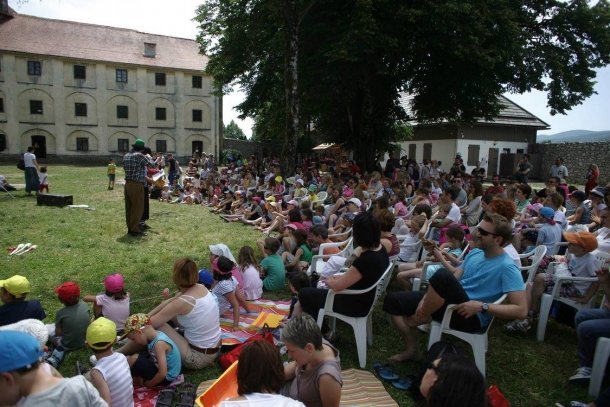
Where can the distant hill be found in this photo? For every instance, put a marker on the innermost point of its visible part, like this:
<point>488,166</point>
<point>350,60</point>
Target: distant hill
<point>574,136</point>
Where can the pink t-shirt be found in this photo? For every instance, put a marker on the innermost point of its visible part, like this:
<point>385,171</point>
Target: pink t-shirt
<point>115,310</point>
<point>400,209</point>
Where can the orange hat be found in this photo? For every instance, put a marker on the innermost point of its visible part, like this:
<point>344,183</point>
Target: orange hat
<point>586,240</point>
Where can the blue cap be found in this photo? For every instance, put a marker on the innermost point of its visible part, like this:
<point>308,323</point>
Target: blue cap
<point>317,220</point>
<point>205,277</point>
<point>547,213</point>
<point>19,350</point>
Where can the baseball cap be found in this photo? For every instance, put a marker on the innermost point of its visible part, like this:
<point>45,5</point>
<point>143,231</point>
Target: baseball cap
<point>534,207</point>
<point>298,181</point>
<point>270,198</point>
<point>101,333</point>
<point>139,144</point>
<point>580,195</point>
<point>68,291</point>
<point>586,240</point>
<point>355,201</point>
<point>313,188</point>
<point>256,198</point>
<point>599,191</point>
<point>206,277</point>
<point>135,322</point>
<point>279,178</point>
<point>114,283</point>
<point>547,213</point>
<point>317,220</point>
<point>293,202</point>
<point>16,285</point>
<point>19,350</point>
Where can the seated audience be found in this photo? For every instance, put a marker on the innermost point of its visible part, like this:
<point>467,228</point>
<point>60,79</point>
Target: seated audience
<point>15,308</point>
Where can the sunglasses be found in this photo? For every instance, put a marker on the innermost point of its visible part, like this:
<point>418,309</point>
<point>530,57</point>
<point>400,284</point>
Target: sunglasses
<point>484,232</point>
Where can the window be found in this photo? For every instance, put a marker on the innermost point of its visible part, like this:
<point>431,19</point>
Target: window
<point>160,113</point>
<point>80,72</point>
<point>1,105</point>
<point>197,115</point>
<point>121,75</point>
<point>122,112</point>
<point>427,151</point>
<point>123,145</point>
<point>473,154</point>
<point>80,109</point>
<point>412,151</point>
<point>82,144</point>
<point>35,106</point>
<point>520,151</point>
<point>159,79</point>
<point>34,68</point>
<point>2,142</point>
<point>197,82</point>
<point>161,146</point>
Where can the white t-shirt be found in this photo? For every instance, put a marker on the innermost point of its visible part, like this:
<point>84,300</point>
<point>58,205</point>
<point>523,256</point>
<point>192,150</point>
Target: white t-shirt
<point>512,252</point>
<point>115,310</point>
<point>263,400</point>
<point>253,285</point>
<point>584,266</point>
<point>454,213</point>
<point>115,371</point>
<point>603,240</point>
<point>407,252</point>
<point>28,159</point>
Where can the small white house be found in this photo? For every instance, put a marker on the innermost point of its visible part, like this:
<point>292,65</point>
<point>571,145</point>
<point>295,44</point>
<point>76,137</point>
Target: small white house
<point>492,142</point>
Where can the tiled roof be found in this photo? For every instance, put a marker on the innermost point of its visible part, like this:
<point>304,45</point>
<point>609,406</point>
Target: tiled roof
<point>43,36</point>
<point>510,113</point>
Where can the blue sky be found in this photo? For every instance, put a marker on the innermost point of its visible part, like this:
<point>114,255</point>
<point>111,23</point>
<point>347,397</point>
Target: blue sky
<point>175,19</point>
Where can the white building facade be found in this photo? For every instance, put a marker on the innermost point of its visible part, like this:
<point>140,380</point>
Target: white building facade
<point>74,89</point>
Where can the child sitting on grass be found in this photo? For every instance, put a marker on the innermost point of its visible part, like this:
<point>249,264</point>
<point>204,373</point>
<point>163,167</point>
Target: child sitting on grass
<point>159,364</point>
<point>296,281</point>
<point>250,270</point>
<point>71,322</point>
<point>301,256</point>
<point>579,262</point>
<point>114,303</point>
<point>111,375</point>
<point>13,291</point>
<point>451,250</point>
<point>224,289</point>
<point>273,271</point>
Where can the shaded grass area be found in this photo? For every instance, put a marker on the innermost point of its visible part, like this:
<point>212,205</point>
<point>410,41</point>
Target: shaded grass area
<point>85,245</point>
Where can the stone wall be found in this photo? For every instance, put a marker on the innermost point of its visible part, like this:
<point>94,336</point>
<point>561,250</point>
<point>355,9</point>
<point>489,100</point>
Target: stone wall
<point>576,157</point>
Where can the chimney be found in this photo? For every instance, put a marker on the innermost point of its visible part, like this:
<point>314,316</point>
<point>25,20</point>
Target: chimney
<point>150,49</point>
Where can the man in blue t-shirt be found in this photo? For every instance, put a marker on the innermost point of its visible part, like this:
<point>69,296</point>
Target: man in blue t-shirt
<point>486,274</point>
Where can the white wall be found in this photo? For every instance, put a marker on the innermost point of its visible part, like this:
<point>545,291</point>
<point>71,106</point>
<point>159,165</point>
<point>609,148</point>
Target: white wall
<point>462,147</point>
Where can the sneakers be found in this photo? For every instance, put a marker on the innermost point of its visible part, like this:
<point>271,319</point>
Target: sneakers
<point>581,375</point>
<point>56,357</point>
<point>518,325</point>
<point>80,369</point>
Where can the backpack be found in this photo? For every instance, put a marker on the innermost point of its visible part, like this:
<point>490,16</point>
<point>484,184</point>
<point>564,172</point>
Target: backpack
<point>21,165</point>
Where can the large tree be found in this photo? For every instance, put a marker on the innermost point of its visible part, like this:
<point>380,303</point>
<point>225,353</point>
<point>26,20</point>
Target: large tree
<point>232,130</point>
<point>354,56</point>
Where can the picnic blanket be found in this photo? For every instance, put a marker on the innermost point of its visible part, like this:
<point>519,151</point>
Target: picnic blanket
<point>360,388</point>
<point>248,323</point>
<point>147,396</point>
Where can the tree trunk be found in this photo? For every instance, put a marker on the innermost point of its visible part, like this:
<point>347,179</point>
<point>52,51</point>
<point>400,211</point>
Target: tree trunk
<point>291,82</point>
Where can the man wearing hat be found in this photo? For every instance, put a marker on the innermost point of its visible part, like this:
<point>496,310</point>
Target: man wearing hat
<point>13,291</point>
<point>24,381</point>
<point>135,164</point>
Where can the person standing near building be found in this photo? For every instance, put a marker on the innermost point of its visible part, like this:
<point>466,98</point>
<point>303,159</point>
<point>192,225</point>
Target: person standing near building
<point>559,170</point>
<point>523,169</point>
<point>31,171</point>
<point>134,164</point>
<point>173,169</point>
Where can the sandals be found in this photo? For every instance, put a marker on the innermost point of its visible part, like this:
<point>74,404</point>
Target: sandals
<point>165,397</point>
<point>186,395</point>
<point>385,372</point>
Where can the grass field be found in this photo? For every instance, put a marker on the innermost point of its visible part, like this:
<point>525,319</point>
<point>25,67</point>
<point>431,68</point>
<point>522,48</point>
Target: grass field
<point>85,245</point>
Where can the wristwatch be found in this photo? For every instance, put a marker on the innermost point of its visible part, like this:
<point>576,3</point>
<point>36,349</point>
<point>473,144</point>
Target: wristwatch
<point>484,307</point>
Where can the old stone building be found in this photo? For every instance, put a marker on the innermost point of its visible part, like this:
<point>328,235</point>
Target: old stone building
<point>81,90</point>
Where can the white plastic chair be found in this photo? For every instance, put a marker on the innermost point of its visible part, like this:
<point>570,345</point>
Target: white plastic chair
<point>536,257</point>
<point>362,326</point>
<point>547,299</point>
<point>600,360</point>
<point>318,260</point>
<point>476,340</point>
<point>322,195</point>
<point>418,282</point>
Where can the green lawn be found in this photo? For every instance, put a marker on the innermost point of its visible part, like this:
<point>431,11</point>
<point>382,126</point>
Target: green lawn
<point>85,245</point>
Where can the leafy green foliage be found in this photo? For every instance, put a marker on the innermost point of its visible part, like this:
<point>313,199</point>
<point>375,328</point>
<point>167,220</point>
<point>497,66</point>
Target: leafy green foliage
<point>232,130</point>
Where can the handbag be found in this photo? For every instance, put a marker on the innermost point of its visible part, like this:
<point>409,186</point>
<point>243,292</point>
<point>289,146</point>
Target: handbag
<point>21,165</point>
<point>226,359</point>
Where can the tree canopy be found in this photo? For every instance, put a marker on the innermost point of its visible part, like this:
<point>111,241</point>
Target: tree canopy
<point>232,130</point>
<point>355,56</point>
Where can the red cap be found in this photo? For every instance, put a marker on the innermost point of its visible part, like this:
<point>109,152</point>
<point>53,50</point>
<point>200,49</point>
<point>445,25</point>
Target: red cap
<point>68,291</point>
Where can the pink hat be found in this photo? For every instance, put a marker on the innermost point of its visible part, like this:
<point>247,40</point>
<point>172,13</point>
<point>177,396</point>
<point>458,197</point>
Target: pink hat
<point>347,192</point>
<point>114,283</point>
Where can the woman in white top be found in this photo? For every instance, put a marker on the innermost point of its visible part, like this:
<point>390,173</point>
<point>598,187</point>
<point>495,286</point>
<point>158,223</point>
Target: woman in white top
<point>260,375</point>
<point>196,310</point>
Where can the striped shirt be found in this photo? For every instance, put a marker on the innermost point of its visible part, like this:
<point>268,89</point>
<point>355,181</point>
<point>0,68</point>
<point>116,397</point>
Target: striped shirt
<point>115,371</point>
<point>135,164</point>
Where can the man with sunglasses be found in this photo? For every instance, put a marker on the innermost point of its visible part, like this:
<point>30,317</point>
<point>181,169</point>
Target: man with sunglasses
<point>485,275</point>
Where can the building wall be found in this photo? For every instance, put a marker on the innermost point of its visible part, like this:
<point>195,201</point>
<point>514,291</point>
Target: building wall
<point>577,157</point>
<point>59,91</point>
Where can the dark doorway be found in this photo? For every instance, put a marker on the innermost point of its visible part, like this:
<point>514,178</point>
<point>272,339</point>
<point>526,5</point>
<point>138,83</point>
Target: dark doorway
<point>197,147</point>
<point>492,162</point>
<point>40,146</point>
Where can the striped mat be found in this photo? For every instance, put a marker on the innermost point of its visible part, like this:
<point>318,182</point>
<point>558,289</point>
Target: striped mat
<point>246,327</point>
<point>360,388</point>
